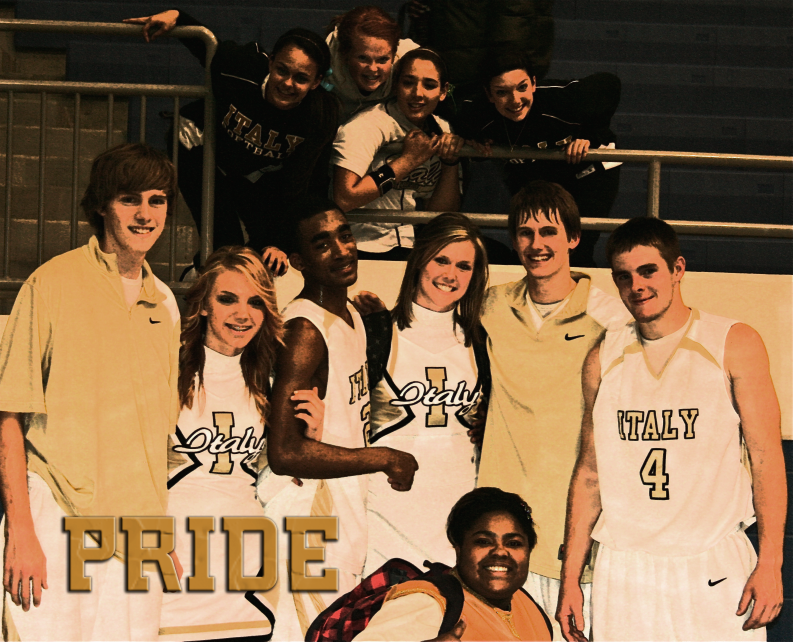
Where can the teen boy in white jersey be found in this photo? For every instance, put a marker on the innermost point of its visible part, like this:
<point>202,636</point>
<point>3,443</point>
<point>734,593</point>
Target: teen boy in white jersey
<point>325,348</point>
<point>659,481</point>
<point>540,330</point>
<point>88,369</point>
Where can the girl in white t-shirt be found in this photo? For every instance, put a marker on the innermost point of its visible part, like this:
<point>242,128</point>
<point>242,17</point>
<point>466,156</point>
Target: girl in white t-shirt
<point>426,169</point>
<point>229,336</point>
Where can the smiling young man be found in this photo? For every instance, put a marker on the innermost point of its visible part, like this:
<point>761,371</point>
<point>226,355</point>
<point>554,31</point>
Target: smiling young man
<point>88,392</point>
<point>540,330</point>
<point>660,481</point>
<point>324,348</point>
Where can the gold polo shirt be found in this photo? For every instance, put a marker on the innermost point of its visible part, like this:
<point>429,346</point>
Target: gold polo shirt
<point>536,402</point>
<point>97,382</point>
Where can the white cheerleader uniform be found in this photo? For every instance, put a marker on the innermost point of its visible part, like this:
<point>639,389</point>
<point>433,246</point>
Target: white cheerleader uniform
<point>346,417</point>
<point>423,405</point>
<point>675,494</point>
<point>224,418</point>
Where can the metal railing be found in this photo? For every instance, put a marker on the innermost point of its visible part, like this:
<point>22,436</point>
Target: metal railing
<point>652,158</point>
<point>111,90</point>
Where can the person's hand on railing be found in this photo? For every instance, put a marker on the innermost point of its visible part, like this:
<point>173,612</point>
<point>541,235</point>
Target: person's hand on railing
<point>275,259</point>
<point>485,148</point>
<point>576,150</point>
<point>450,146</point>
<point>418,148</point>
<point>156,25</point>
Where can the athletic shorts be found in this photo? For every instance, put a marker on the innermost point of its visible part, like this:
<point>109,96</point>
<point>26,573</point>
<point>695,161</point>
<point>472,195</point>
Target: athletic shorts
<point>106,612</point>
<point>639,596</point>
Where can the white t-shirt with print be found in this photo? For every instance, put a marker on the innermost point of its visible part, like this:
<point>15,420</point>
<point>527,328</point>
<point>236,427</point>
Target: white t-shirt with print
<point>357,148</point>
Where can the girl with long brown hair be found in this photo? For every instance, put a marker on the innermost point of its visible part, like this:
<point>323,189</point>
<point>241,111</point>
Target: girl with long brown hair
<point>229,336</point>
<point>429,378</point>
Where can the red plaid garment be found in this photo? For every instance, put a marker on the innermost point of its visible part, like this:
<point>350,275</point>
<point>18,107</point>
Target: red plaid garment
<point>349,615</point>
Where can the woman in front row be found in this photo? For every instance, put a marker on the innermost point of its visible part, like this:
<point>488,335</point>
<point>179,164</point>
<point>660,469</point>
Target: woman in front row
<point>493,535</point>
<point>229,336</point>
<point>423,175</point>
<point>429,381</point>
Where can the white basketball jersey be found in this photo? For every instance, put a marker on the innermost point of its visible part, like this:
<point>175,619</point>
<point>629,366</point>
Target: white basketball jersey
<point>668,445</point>
<point>219,440</point>
<point>422,406</point>
<point>221,436</point>
<point>346,418</point>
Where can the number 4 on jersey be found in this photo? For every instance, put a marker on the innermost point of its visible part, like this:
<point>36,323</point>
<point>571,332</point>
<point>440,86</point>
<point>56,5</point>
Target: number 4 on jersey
<point>654,474</point>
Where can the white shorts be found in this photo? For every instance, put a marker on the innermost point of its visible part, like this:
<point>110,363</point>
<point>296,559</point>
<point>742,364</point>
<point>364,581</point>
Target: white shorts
<point>545,591</point>
<point>639,596</point>
<point>294,612</point>
<point>205,615</point>
<point>107,612</point>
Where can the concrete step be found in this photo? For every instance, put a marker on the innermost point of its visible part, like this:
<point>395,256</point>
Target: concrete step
<point>701,194</point>
<point>631,42</point>
<point>60,110</point>
<point>701,12</point>
<point>772,136</point>
<point>693,89</point>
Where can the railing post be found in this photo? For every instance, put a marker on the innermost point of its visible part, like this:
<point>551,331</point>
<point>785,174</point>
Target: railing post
<point>208,191</point>
<point>654,188</point>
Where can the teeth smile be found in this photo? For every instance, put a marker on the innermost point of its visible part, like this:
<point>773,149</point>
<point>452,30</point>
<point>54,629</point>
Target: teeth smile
<point>239,328</point>
<point>141,230</point>
<point>445,288</point>
<point>498,569</point>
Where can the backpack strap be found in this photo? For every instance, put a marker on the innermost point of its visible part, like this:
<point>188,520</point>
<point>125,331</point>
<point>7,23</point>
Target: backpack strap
<point>541,610</point>
<point>379,330</point>
<point>452,591</point>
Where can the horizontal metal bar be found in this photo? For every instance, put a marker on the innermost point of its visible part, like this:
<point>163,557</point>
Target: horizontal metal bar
<point>100,28</point>
<point>757,230</point>
<point>629,155</point>
<point>121,89</point>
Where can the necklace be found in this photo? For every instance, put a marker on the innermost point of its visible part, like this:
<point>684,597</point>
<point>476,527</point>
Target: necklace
<point>517,138</point>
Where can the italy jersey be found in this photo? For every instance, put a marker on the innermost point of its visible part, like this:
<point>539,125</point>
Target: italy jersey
<point>668,444</point>
<point>423,405</point>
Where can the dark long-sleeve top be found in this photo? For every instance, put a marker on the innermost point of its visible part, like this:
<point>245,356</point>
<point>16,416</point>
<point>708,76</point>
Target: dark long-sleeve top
<point>253,135</point>
<point>560,113</point>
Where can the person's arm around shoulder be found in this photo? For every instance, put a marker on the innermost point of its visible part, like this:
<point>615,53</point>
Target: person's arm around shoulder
<point>351,190</point>
<point>23,560</point>
<point>746,362</point>
<point>583,509</point>
<point>289,450</point>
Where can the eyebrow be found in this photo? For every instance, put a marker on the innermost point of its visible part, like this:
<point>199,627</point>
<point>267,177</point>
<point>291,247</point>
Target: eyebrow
<point>492,534</point>
<point>319,237</point>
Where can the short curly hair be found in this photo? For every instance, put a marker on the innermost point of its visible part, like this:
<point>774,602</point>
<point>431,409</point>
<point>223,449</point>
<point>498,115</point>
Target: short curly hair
<point>483,501</point>
<point>129,168</point>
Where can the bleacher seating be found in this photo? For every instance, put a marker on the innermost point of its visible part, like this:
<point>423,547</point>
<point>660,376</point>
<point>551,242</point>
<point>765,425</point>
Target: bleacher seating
<point>698,75</point>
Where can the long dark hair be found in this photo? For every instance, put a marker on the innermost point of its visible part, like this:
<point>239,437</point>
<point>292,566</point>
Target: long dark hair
<point>259,355</point>
<point>446,228</point>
